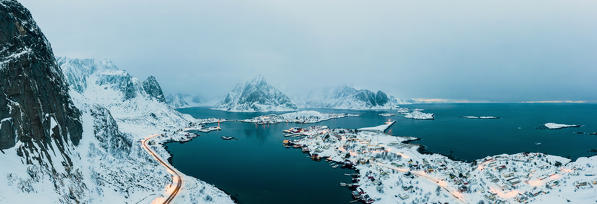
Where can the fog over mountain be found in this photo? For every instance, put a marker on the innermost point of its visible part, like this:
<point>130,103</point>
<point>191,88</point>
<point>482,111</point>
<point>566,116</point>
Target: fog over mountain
<point>464,49</point>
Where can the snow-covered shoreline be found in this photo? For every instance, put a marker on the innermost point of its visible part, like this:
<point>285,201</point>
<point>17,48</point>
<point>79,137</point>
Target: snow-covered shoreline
<point>558,126</point>
<point>480,117</point>
<point>297,117</point>
<point>418,115</point>
<point>391,170</point>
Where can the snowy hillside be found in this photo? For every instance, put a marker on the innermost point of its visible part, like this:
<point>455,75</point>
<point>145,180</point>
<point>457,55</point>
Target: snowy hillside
<point>256,96</point>
<point>123,107</point>
<point>182,100</point>
<point>346,97</point>
<point>71,128</point>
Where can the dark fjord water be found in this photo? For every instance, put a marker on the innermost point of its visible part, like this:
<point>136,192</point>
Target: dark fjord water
<point>256,168</point>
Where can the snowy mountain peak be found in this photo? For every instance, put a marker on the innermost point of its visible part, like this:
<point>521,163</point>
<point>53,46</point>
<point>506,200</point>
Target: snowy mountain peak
<point>153,89</point>
<point>256,96</point>
<point>103,76</point>
<point>259,79</point>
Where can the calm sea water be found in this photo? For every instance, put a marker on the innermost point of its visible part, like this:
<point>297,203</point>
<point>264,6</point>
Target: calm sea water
<point>256,168</point>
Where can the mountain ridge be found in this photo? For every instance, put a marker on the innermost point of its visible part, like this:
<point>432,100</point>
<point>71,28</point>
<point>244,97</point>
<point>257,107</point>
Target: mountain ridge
<point>348,97</point>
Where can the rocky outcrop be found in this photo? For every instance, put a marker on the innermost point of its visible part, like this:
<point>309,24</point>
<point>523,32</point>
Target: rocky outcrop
<point>107,133</point>
<point>120,80</point>
<point>153,89</point>
<point>370,98</point>
<point>35,108</point>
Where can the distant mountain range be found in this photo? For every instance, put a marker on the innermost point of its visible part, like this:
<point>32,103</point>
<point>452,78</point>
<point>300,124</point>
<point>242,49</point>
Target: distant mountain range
<point>180,100</point>
<point>258,95</point>
<point>346,97</point>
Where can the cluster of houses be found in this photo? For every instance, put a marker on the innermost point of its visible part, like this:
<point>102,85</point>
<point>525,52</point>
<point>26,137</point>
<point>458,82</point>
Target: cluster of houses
<point>296,117</point>
<point>390,170</point>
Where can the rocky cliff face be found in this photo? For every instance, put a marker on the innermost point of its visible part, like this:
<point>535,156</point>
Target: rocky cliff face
<point>256,95</point>
<point>153,89</point>
<point>107,133</point>
<point>40,126</point>
<point>35,108</point>
<point>370,98</point>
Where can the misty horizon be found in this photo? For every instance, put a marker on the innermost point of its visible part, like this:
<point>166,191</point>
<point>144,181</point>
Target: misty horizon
<point>461,51</point>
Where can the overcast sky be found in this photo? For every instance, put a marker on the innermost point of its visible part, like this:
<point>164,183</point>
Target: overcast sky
<point>503,50</point>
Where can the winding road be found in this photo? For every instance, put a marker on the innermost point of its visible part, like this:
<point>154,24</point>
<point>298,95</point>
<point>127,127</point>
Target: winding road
<point>176,178</point>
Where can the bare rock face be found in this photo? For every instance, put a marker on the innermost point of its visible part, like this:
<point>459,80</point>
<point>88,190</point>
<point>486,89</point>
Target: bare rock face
<point>370,98</point>
<point>153,89</point>
<point>35,108</point>
<point>107,133</point>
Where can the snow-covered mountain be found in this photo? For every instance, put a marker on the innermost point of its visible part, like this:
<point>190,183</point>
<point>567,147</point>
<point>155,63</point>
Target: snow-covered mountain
<point>85,75</point>
<point>346,97</point>
<point>180,100</point>
<point>70,129</point>
<point>131,109</point>
<point>256,96</point>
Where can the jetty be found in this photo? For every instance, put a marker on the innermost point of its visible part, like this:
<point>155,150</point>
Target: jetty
<point>380,128</point>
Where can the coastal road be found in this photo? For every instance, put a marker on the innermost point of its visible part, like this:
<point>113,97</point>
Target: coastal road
<point>176,178</point>
<point>441,183</point>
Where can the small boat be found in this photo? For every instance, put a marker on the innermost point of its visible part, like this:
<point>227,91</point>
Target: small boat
<point>353,186</point>
<point>356,194</point>
<point>227,138</point>
<point>366,199</point>
<point>347,164</point>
